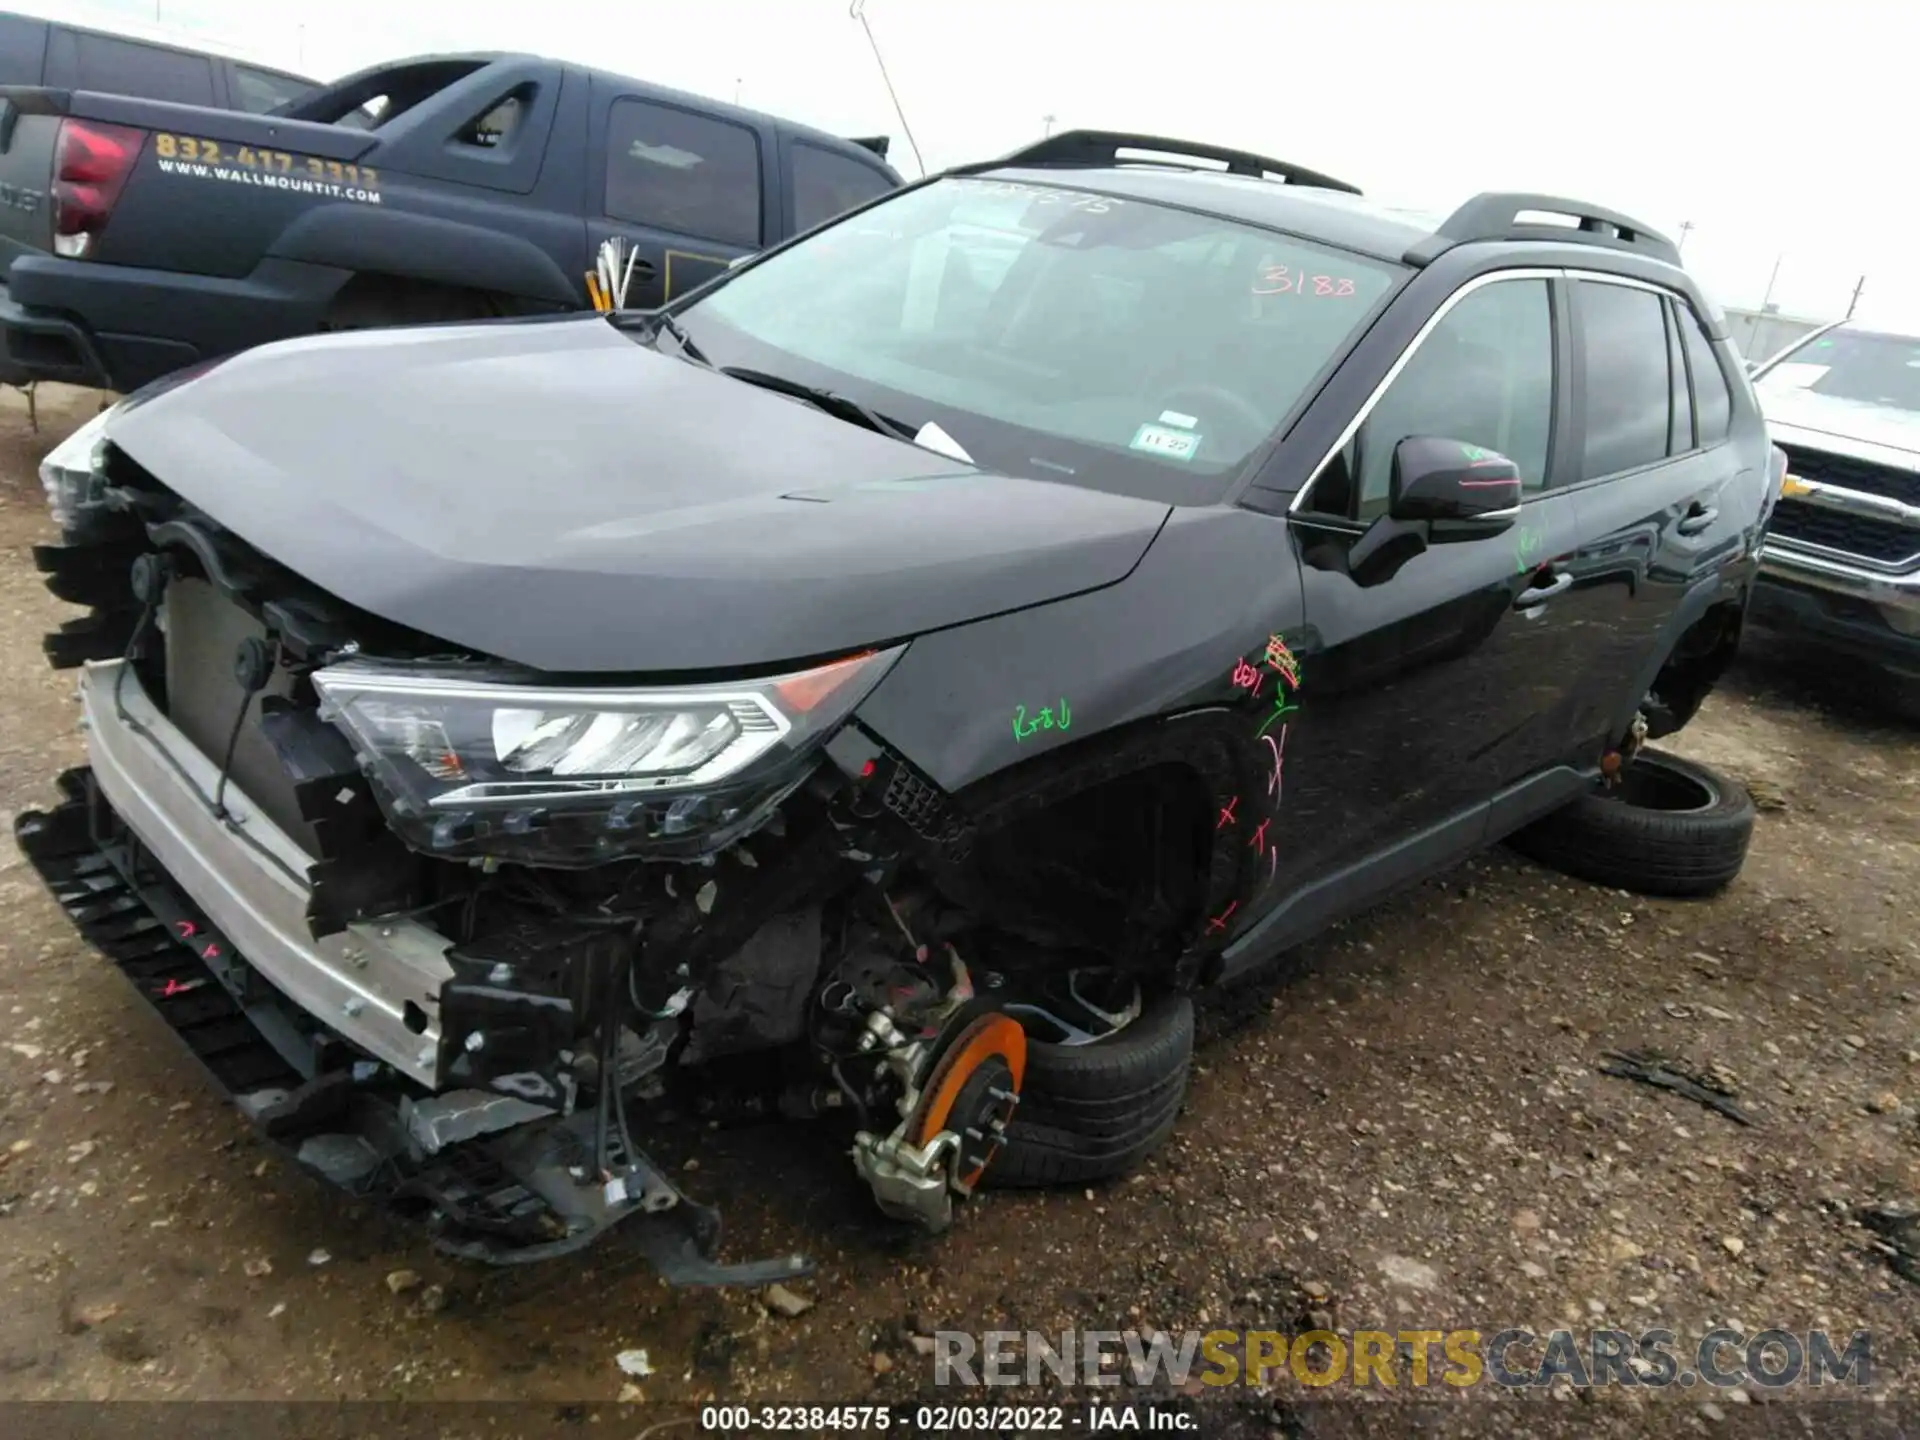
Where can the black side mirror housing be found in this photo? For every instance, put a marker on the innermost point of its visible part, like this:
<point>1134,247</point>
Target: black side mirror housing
<point>1453,485</point>
<point>1440,491</point>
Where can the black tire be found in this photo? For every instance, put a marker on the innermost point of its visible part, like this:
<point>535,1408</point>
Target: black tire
<point>1090,1112</point>
<point>1671,827</point>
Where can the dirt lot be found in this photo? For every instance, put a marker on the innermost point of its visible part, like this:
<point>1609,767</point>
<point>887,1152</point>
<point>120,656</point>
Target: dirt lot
<point>1403,1129</point>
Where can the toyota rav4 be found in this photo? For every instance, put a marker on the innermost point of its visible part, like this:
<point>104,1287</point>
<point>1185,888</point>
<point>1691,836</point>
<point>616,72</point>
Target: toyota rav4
<point>881,686</point>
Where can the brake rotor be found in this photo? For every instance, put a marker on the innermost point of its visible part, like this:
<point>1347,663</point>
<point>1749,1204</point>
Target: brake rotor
<point>972,1090</point>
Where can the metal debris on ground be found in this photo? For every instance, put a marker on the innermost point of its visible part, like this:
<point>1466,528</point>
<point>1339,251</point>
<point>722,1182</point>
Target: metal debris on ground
<point>1898,1225</point>
<point>782,1301</point>
<point>1650,1068</point>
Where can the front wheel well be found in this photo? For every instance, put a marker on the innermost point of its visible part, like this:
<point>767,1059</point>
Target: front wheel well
<point>1108,859</point>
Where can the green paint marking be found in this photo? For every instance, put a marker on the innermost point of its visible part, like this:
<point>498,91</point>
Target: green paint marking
<point>1024,728</point>
<point>1527,545</point>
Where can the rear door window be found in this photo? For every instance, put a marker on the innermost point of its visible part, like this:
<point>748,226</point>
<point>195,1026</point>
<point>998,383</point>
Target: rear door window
<point>826,184</point>
<point>1628,385</point>
<point>671,169</point>
<point>84,61</point>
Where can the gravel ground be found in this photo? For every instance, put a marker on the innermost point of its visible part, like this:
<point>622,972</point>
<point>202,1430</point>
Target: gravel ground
<point>1403,1127</point>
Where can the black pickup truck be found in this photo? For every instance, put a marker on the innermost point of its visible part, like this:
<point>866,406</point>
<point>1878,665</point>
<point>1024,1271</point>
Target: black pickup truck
<point>141,236</point>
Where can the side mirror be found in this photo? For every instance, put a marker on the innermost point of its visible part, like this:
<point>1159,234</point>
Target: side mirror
<point>1463,490</point>
<point>1440,491</point>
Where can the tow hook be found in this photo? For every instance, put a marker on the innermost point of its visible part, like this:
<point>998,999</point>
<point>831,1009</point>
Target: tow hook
<point>1614,763</point>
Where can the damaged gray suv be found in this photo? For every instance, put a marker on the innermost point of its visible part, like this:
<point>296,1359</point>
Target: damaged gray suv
<point>880,688</point>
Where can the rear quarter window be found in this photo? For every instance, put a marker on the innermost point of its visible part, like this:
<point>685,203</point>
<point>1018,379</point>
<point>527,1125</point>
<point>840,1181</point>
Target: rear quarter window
<point>23,50</point>
<point>80,60</point>
<point>259,91</point>
<point>826,184</point>
<point>1712,400</point>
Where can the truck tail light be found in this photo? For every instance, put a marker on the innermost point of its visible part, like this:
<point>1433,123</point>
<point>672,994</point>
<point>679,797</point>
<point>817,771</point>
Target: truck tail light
<point>91,161</point>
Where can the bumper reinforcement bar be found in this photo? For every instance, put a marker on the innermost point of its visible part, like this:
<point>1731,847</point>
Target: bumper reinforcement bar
<point>510,1197</point>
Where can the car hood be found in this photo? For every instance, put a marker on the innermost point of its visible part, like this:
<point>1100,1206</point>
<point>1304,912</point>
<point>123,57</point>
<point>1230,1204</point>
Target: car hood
<point>556,495</point>
<point>1846,427</point>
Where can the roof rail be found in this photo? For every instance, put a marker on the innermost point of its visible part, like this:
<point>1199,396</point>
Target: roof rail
<point>1102,148</point>
<point>1496,216</point>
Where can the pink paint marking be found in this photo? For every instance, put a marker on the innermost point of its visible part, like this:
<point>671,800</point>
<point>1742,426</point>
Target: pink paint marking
<point>1226,814</point>
<point>1259,841</point>
<point>1219,922</point>
<point>187,929</point>
<point>1279,752</point>
<point>174,987</point>
<point>209,952</point>
<point>1245,677</point>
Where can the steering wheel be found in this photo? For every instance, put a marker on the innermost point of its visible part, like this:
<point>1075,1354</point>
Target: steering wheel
<point>1204,398</point>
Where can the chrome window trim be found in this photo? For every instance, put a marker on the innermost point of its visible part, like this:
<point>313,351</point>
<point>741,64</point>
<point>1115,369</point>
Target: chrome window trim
<point>1492,277</point>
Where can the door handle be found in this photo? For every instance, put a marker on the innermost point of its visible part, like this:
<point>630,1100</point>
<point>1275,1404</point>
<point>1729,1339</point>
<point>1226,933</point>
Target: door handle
<point>1697,519</point>
<point>1539,593</point>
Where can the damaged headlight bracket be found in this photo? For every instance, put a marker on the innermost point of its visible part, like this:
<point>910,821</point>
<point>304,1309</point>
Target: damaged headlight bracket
<point>73,475</point>
<point>473,763</point>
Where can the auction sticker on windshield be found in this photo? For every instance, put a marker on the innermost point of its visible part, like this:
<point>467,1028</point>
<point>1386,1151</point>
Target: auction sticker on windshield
<point>197,158</point>
<point>1166,441</point>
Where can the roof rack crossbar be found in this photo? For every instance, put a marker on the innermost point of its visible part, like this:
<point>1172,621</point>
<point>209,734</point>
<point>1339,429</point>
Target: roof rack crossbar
<point>1496,216</point>
<point>1071,148</point>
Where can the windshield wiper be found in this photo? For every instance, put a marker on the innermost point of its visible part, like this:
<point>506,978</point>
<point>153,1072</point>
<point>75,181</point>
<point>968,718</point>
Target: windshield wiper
<point>840,406</point>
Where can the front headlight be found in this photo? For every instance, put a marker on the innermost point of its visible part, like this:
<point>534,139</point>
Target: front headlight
<point>73,474</point>
<point>467,762</point>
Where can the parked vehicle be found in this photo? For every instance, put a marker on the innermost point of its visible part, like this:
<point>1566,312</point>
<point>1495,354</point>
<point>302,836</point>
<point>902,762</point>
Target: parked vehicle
<point>1841,565</point>
<point>37,51</point>
<point>148,236</point>
<point>921,658</point>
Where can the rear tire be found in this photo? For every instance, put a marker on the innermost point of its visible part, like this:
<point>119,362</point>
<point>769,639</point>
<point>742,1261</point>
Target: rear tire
<point>1093,1111</point>
<point>1672,827</point>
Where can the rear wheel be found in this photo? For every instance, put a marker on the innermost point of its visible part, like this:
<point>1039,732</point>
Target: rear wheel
<point>1102,1090</point>
<point>1672,826</point>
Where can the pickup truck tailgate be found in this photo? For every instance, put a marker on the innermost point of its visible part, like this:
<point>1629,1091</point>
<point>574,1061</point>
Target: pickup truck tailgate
<point>28,127</point>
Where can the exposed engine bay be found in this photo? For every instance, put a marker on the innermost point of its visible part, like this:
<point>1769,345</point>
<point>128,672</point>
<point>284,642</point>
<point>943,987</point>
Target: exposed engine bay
<point>490,998</point>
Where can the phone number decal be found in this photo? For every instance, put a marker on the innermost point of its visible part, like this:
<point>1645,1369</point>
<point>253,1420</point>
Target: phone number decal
<point>196,157</point>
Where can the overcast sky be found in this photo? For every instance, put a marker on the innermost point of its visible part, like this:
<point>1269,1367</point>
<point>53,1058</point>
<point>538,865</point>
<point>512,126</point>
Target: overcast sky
<point>1777,130</point>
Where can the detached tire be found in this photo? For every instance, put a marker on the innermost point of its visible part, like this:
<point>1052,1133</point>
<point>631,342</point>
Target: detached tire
<point>1671,827</point>
<point>1093,1111</point>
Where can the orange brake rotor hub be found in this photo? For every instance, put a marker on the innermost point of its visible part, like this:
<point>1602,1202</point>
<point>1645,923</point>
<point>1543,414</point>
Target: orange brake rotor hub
<point>972,1091</point>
